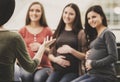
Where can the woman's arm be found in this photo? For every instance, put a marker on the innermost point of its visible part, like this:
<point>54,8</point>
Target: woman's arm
<point>111,47</point>
<point>67,49</point>
<point>82,47</point>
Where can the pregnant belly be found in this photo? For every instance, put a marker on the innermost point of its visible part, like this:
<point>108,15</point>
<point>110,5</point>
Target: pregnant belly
<point>96,54</point>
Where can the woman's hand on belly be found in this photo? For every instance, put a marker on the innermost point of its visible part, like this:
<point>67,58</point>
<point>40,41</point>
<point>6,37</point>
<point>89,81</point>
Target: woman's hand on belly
<point>88,64</point>
<point>87,54</point>
<point>60,60</point>
<point>64,49</point>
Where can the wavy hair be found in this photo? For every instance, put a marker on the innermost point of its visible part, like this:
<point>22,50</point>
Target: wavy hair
<point>77,24</point>
<point>91,33</point>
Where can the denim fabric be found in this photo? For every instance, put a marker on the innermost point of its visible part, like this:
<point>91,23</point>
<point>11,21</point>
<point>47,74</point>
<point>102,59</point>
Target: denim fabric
<point>37,76</point>
<point>26,76</point>
<point>17,77</point>
<point>61,77</point>
<point>41,75</point>
<point>92,78</point>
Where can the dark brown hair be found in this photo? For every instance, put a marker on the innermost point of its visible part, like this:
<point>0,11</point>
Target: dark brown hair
<point>6,10</point>
<point>77,24</point>
<point>91,32</point>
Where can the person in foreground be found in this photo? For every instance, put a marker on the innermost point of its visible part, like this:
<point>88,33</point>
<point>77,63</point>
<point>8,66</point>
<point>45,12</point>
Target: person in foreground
<point>12,46</point>
<point>67,52</point>
<point>102,53</point>
<point>33,33</point>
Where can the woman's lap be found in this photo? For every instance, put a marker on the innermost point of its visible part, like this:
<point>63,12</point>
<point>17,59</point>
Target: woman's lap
<point>38,76</point>
<point>41,75</point>
<point>92,78</point>
<point>61,77</point>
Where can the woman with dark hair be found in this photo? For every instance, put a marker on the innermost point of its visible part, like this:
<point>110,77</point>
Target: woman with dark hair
<point>102,52</point>
<point>12,46</point>
<point>33,33</point>
<point>65,55</point>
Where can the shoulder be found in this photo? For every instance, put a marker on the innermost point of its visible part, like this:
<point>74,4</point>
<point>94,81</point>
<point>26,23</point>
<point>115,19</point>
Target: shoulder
<point>47,30</point>
<point>23,31</point>
<point>108,31</point>
<point>108,34</point>
<point>23,28</point>
<point>13,35</point>
<point>17,37</point>
<point>81,33</point>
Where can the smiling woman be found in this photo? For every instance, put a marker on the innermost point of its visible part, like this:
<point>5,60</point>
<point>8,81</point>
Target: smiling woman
<point>12,46</point>
<point>52,14</point>
<point>102,54</point>
<point>53,11</point>
<point>33,32</point>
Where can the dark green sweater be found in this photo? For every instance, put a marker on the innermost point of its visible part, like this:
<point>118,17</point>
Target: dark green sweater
<point>12,47</point>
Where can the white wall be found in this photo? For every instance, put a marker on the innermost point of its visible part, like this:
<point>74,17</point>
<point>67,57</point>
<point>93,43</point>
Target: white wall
<point>53,11</point>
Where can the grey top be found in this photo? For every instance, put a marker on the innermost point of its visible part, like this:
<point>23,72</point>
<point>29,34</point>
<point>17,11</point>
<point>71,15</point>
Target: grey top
<point>103,54</point>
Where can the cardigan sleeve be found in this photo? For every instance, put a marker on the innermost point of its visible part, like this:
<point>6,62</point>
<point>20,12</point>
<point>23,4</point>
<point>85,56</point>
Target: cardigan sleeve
<point>22,55</point>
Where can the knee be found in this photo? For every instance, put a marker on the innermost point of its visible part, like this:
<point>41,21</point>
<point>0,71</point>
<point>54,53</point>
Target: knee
<point>41,77</point>
<point>26,75</point>
<point>38,77</point>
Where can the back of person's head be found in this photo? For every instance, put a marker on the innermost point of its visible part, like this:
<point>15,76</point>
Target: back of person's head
<point>6,10</point>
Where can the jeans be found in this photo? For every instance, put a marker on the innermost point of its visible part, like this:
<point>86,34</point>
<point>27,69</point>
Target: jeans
<point>37,76</point>
<point>92,78</point>
<point>61,77</point>
<point>41,75</point>
<point>17,77</point>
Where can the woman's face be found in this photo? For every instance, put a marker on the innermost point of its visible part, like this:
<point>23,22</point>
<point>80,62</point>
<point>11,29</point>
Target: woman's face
<point>35,13</point>
<point>94,19</point>
<point>69,15</point>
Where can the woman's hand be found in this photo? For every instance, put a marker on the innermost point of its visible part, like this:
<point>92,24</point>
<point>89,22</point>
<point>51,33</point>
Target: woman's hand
<point>60,60</point>
<point>35,45</point>
<point>47,42</point>
<point>87,54</point>
<point>88,61</point>
<point>64,49</point>
<point>88,64</point>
